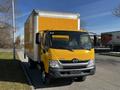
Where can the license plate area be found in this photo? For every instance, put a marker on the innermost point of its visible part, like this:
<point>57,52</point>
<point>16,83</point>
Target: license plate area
<point>75,72</point>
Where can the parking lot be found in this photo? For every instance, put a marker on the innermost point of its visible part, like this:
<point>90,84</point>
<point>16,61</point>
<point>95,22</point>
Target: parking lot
<point>107,77</point>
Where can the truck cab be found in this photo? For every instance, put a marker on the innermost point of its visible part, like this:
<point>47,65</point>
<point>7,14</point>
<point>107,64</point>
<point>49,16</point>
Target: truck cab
<point>66,54</point>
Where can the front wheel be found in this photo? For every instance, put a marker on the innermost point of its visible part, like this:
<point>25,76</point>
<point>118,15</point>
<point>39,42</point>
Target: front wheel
<point>80,79</point>
<point>45,77</point>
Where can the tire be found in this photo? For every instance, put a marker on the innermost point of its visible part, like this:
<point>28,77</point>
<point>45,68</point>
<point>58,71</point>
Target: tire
<point>80,79</point>
<point>45,77</point>
<point>32,64</point>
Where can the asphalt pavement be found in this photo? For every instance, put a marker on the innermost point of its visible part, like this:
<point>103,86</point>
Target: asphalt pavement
<point>107,77</point>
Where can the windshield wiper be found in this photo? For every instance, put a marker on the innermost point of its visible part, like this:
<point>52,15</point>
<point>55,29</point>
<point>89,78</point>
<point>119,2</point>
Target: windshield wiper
<point>69,48</point>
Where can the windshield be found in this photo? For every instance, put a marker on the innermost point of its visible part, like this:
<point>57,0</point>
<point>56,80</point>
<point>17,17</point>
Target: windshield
<point>70,40</point>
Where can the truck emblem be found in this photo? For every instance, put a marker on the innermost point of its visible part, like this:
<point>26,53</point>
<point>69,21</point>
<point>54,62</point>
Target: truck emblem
<point>75,60</point>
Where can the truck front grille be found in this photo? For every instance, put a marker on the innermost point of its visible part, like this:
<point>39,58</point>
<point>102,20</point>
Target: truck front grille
<point>74,67</point>
<point>71,61</point>
<point>69,64</point>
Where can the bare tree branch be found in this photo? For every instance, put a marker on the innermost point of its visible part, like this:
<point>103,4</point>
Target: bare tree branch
<point>116,11</point>
<point>6,28</point>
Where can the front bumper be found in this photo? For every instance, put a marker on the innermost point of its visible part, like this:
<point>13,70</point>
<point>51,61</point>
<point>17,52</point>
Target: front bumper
<point>64,73</point>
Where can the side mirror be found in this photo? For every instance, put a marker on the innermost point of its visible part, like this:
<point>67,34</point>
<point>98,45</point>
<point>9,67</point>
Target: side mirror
<point>95,40</point>
<point>45,49</point>
<point>38,38</point>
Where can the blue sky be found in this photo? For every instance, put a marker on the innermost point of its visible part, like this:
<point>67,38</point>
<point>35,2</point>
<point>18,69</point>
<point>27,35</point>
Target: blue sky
<point>97,14</point>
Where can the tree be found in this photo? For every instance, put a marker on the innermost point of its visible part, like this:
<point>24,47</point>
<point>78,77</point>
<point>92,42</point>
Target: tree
<point>5,24</point>
<point>116,11</point>
<point>5,35</point>
<point>6,28</point>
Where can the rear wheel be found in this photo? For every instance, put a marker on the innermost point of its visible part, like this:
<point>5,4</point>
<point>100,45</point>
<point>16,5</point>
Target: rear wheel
<point>80,79</point>
<point>32,64</point>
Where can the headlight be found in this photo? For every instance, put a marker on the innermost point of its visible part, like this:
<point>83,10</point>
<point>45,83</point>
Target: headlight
<point>91,63</point>
<point>54,64</point>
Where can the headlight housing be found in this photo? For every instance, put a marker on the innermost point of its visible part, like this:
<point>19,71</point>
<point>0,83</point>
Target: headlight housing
<point>91,63</point>
<point>54,64</point>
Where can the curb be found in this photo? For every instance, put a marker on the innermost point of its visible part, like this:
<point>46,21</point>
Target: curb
<point>110,54</point>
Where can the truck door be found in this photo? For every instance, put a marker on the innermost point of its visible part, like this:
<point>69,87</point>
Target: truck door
<point>44,52</point>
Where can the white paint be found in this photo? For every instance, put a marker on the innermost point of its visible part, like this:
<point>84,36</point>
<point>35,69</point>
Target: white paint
<point>35,31</point>
<point>79,24</point>
<point>58,15</point>
<point>115,38</point>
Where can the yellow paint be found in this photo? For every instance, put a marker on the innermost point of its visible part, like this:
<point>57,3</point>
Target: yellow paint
<point>45,60</point>
<point>62,54</point>
<point>49,23</point>
<point>59,36</point>
<point>63,37</point>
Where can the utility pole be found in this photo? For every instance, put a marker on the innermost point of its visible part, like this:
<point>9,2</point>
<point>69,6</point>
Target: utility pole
<point>14,28</point>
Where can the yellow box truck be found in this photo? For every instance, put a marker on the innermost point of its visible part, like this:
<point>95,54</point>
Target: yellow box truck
<point>54,41</point>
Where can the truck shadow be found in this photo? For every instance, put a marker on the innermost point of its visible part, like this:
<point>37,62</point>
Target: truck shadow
<point>35,76</point>
<point>55,83</point>
<point>10,71</point>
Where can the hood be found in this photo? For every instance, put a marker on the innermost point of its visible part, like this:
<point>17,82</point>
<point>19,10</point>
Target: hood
<point>62,54</point>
